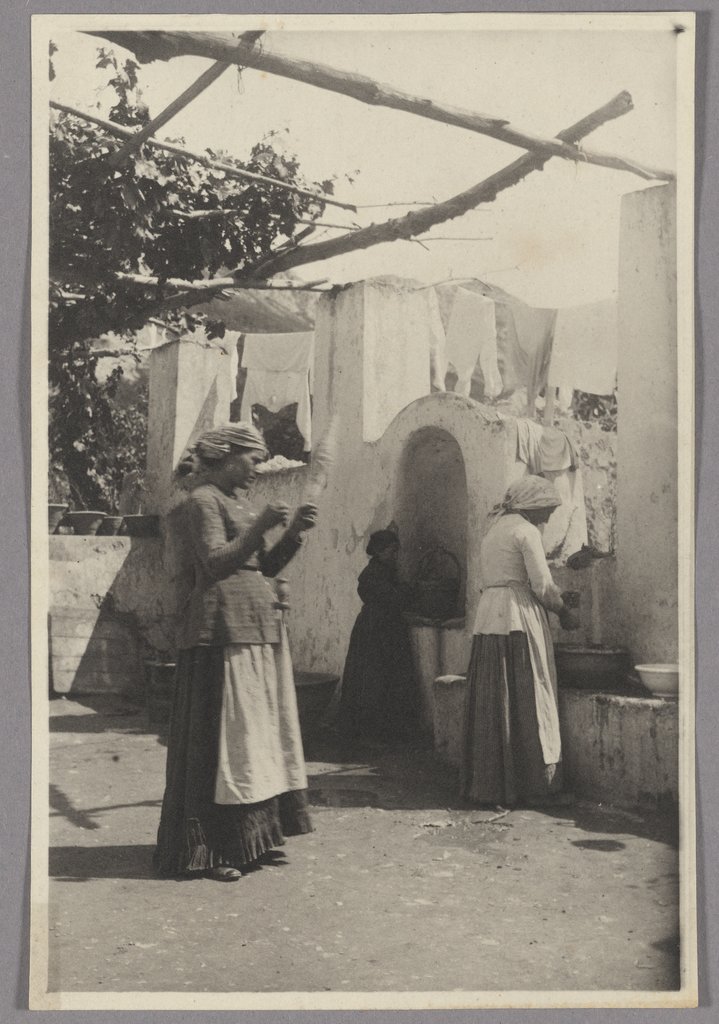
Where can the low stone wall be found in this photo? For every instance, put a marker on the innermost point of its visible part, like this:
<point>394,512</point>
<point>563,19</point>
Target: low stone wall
<point>111,602</point>
<point>621,750</point>
<point>617,750</point>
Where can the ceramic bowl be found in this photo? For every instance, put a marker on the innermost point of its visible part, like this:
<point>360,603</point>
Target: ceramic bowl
<point>84,523</point>
<point>54,515</point>
<point>661,679</point>
<point>590,668</point>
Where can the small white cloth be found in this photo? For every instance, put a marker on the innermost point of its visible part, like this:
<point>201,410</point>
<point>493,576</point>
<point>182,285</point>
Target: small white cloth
<point>437,342</point>
<point>472,337</point>
<point>584,351</point>
<point>278,374</point>
<point>566,530</point>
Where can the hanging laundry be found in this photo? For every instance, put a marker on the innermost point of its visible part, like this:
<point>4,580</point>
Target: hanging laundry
<point>437,343</point>
<point>566,530</point>
<point>529,439</point>
<point>584,352</point>
<point>278,374</point>
<point>544,449</point>
<point>549,452</point>
<point>534,333</point>
<point>472,337</point>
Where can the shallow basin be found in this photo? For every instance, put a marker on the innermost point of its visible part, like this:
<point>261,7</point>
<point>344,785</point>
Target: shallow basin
<point>84,523</point>
<point>662,679</point>
<point>591,668</point>
<point>314,692</point>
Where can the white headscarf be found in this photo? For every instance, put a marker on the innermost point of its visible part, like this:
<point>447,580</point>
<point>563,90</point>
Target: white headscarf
<point>529,492</point>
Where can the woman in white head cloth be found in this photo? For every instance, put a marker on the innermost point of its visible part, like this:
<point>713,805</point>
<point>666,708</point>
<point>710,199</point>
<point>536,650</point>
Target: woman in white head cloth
<point>512,748</point>
<point>236,782</point>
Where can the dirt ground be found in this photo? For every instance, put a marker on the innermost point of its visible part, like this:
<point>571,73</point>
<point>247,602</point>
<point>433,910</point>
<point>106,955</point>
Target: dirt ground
<point>400,888</point>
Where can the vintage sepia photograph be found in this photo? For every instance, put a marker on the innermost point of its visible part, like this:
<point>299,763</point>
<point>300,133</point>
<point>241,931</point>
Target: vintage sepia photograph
<point>362,606</point>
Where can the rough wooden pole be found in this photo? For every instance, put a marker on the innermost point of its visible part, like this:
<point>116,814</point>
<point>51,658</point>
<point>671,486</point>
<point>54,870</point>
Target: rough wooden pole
<point>419,221</point>
<point>120,132</point>
<point>192,92</point>
<point>149,46</point>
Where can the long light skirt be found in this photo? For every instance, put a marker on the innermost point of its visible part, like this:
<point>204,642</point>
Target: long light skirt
<point>235,781</point>
<point>502,761</point>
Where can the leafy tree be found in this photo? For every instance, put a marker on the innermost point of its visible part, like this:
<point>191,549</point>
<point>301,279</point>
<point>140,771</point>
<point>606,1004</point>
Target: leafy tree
<point>105,220</point>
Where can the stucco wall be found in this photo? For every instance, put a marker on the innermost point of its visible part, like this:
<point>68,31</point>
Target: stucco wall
<point>371,480</point>
<point>190,391</point>
<point>647,426</point>
<point>111,602</point>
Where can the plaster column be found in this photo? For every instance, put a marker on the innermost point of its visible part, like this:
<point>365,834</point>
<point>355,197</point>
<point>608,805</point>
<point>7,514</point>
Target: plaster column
<point>371,355</point>
<point>190,391</point>
<point>647,452</point>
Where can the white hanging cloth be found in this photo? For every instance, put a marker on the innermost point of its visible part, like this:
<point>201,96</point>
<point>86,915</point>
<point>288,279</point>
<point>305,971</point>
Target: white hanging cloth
<point>278,374</point>
<point>437,342</point>
<point>584,351</point>
<point>472,337</point>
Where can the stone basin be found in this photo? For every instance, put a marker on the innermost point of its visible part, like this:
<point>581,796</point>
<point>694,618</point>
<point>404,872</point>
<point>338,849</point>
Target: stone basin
<point>596,668</point>
<point>314,692</point>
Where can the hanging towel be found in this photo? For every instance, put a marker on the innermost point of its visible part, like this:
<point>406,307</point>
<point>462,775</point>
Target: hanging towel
<point>437,343</point>
<point>534,331</point>
<point>584,352</point>
<point>543,449</point>
<point>548,452</point>
<point>529,438</point>
<point>472,337</point>
<point>278,368</point>
<point>566,530</point>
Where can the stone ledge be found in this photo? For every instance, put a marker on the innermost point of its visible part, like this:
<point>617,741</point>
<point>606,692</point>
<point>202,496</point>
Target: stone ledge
<point>617,750</point>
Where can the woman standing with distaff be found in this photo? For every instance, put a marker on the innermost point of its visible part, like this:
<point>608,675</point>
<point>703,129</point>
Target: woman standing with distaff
<point>513,746</point>
<point>236,781</point>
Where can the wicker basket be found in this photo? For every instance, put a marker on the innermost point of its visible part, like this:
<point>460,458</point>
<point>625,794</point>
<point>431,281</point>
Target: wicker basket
<point>437,594</point>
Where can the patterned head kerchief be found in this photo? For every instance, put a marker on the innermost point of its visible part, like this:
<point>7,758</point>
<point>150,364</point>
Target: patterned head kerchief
<point>529,492</point>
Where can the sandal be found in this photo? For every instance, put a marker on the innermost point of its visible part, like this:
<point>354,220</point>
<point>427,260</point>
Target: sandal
<point>224,873</point>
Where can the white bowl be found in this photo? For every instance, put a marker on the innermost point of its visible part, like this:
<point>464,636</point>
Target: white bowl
<point>662,680</point>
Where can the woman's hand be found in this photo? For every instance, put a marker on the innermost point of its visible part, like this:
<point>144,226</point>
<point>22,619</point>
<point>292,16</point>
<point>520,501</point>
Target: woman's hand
<point>275,514</point>
<point>305,518</point>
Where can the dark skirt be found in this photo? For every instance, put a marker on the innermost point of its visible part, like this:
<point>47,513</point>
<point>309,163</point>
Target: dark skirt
<point>502,760</point>
<point>378,695</point>
<point>195,833</point>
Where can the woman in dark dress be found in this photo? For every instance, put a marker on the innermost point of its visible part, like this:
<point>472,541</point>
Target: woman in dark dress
<point>235,782</point>
<point>378,698</point>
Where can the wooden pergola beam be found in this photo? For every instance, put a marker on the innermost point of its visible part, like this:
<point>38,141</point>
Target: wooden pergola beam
<point>214,284</point>
<point>206,79</point>
<point>149,46</point>
<point>120,132</point>
<point>186,97</point>
<point>418,221</point>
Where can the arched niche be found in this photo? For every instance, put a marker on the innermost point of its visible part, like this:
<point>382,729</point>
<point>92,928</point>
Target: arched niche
<point>431,501</point>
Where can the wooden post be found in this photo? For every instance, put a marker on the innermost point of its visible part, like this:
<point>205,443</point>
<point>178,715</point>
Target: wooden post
<point>418,221</point>
<point>155,45</point>
<point>206,78</point>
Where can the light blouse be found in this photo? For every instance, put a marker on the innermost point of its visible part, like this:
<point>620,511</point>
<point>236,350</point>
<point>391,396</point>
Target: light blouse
<point>514,567</point>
